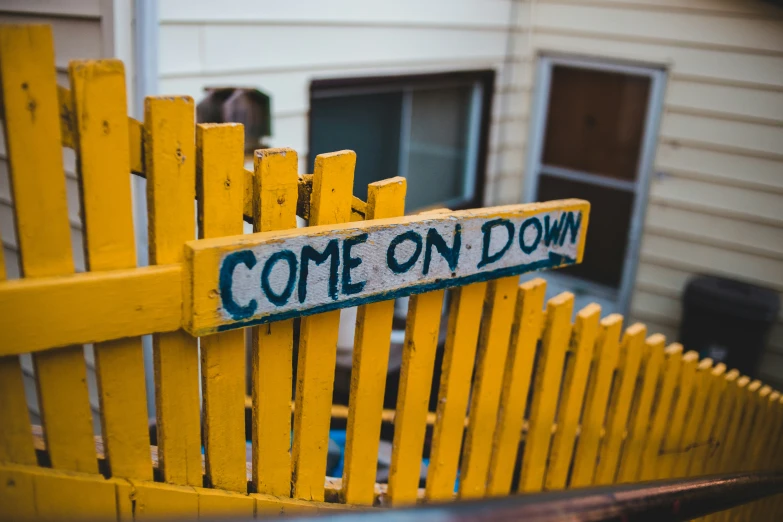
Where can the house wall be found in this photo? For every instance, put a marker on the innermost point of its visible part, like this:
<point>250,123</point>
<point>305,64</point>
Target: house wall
<point>82,29</point>
<point>716,197</point>
<point>280,47</point>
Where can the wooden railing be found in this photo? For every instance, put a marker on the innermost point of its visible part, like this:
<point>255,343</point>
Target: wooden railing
<point>528,399</point>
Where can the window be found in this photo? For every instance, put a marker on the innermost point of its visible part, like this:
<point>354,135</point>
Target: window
<point>593,138</point>
<point>430,129</point>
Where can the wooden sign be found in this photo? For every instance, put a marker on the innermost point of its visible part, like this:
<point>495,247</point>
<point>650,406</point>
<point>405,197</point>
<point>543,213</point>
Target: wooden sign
<point>239,281</point>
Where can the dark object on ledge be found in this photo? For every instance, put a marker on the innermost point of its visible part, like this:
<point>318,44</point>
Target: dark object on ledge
<point>728,320</point>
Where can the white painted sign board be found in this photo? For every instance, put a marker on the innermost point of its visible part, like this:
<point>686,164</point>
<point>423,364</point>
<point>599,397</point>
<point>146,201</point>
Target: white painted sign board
<point>241,281</point>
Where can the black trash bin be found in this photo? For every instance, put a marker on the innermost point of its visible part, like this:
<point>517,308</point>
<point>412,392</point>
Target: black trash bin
<point>728,320</point>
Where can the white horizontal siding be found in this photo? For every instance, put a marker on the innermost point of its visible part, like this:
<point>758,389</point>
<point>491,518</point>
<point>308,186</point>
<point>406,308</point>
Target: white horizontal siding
<point>212,49</point>
<point>713,7</point>
<point>764,140</point>
<point>719,166</point>
<point>692,256</point>
<point>724,232</point>
<point>729,100</point>
<point>71,8</point>
<point>479,13</point>
<point>281,48</point>
<point>752,205</point>
<point>682,29</point>
<point>682,62</point>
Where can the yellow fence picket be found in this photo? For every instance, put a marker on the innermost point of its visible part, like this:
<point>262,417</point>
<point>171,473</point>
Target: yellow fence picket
<point>750,438</point>
<point>639,422</point>
<point>170,156</point>
<point>705,445</point>
<point>369,366</point>
<point>761,427</point>
<point>32,131</point>
<point>739,413</point>
<point>492,350</point>
<point>605,360</point>
<point>418,357</point>
<point>220,155</point>
<point>101,141</point>
<point>725,415</point>
<point>16,441</point>
<point>762,454</point>
<point>465,315</point>
<point>330,204</point>
<point>516,383</point>
<point>651,452</point>
<point>275,195</point>
<point>671,448</point>
<point>546,390</point>
<point>695,419</point>
<point>631,352</point>
<point>740,425</point>
<point>574,385</point>
<point>741,450</point>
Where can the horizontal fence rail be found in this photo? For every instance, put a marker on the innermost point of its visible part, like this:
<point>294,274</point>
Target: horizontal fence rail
<point>670,500</point>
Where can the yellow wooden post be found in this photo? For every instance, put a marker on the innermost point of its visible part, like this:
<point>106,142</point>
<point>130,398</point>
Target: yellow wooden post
<point>739,411</point>
<point>739,427</point>
<point>596,402</point>
<point>762,455</point>
<point>574,386</point>
<point>516,384</point>
<point>16,441</point>
<point>639,422</point>
<point>465,311</point>
<point>101,141</point>
<point>671,449</point>
<point>725,416</point>
<point>331,204</point>
<point>546,390</point>
<point>170,157</point>
<point>750,438</point>
<point>418,358</point>
<point>746,434</point>
<point>762,427</point>
<point>620,404</point>
<point>705,446</point>
<point>220,155</point>
<point>694,420</point>
<point>369,366</point>
<point>492,350</point>
<point>660,417</point>
<point>772,460</point>
<point>727,427</point>
<point>32,131</point>
<point>274,196</point>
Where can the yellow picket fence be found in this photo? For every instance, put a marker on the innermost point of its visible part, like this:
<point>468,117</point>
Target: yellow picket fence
<point>528,399</point>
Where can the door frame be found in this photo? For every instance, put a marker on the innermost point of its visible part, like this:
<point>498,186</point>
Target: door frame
<point>540,105</point>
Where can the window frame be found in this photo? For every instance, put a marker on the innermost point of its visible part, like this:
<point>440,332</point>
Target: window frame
<point>646,163</point>
<point>478,151</point>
